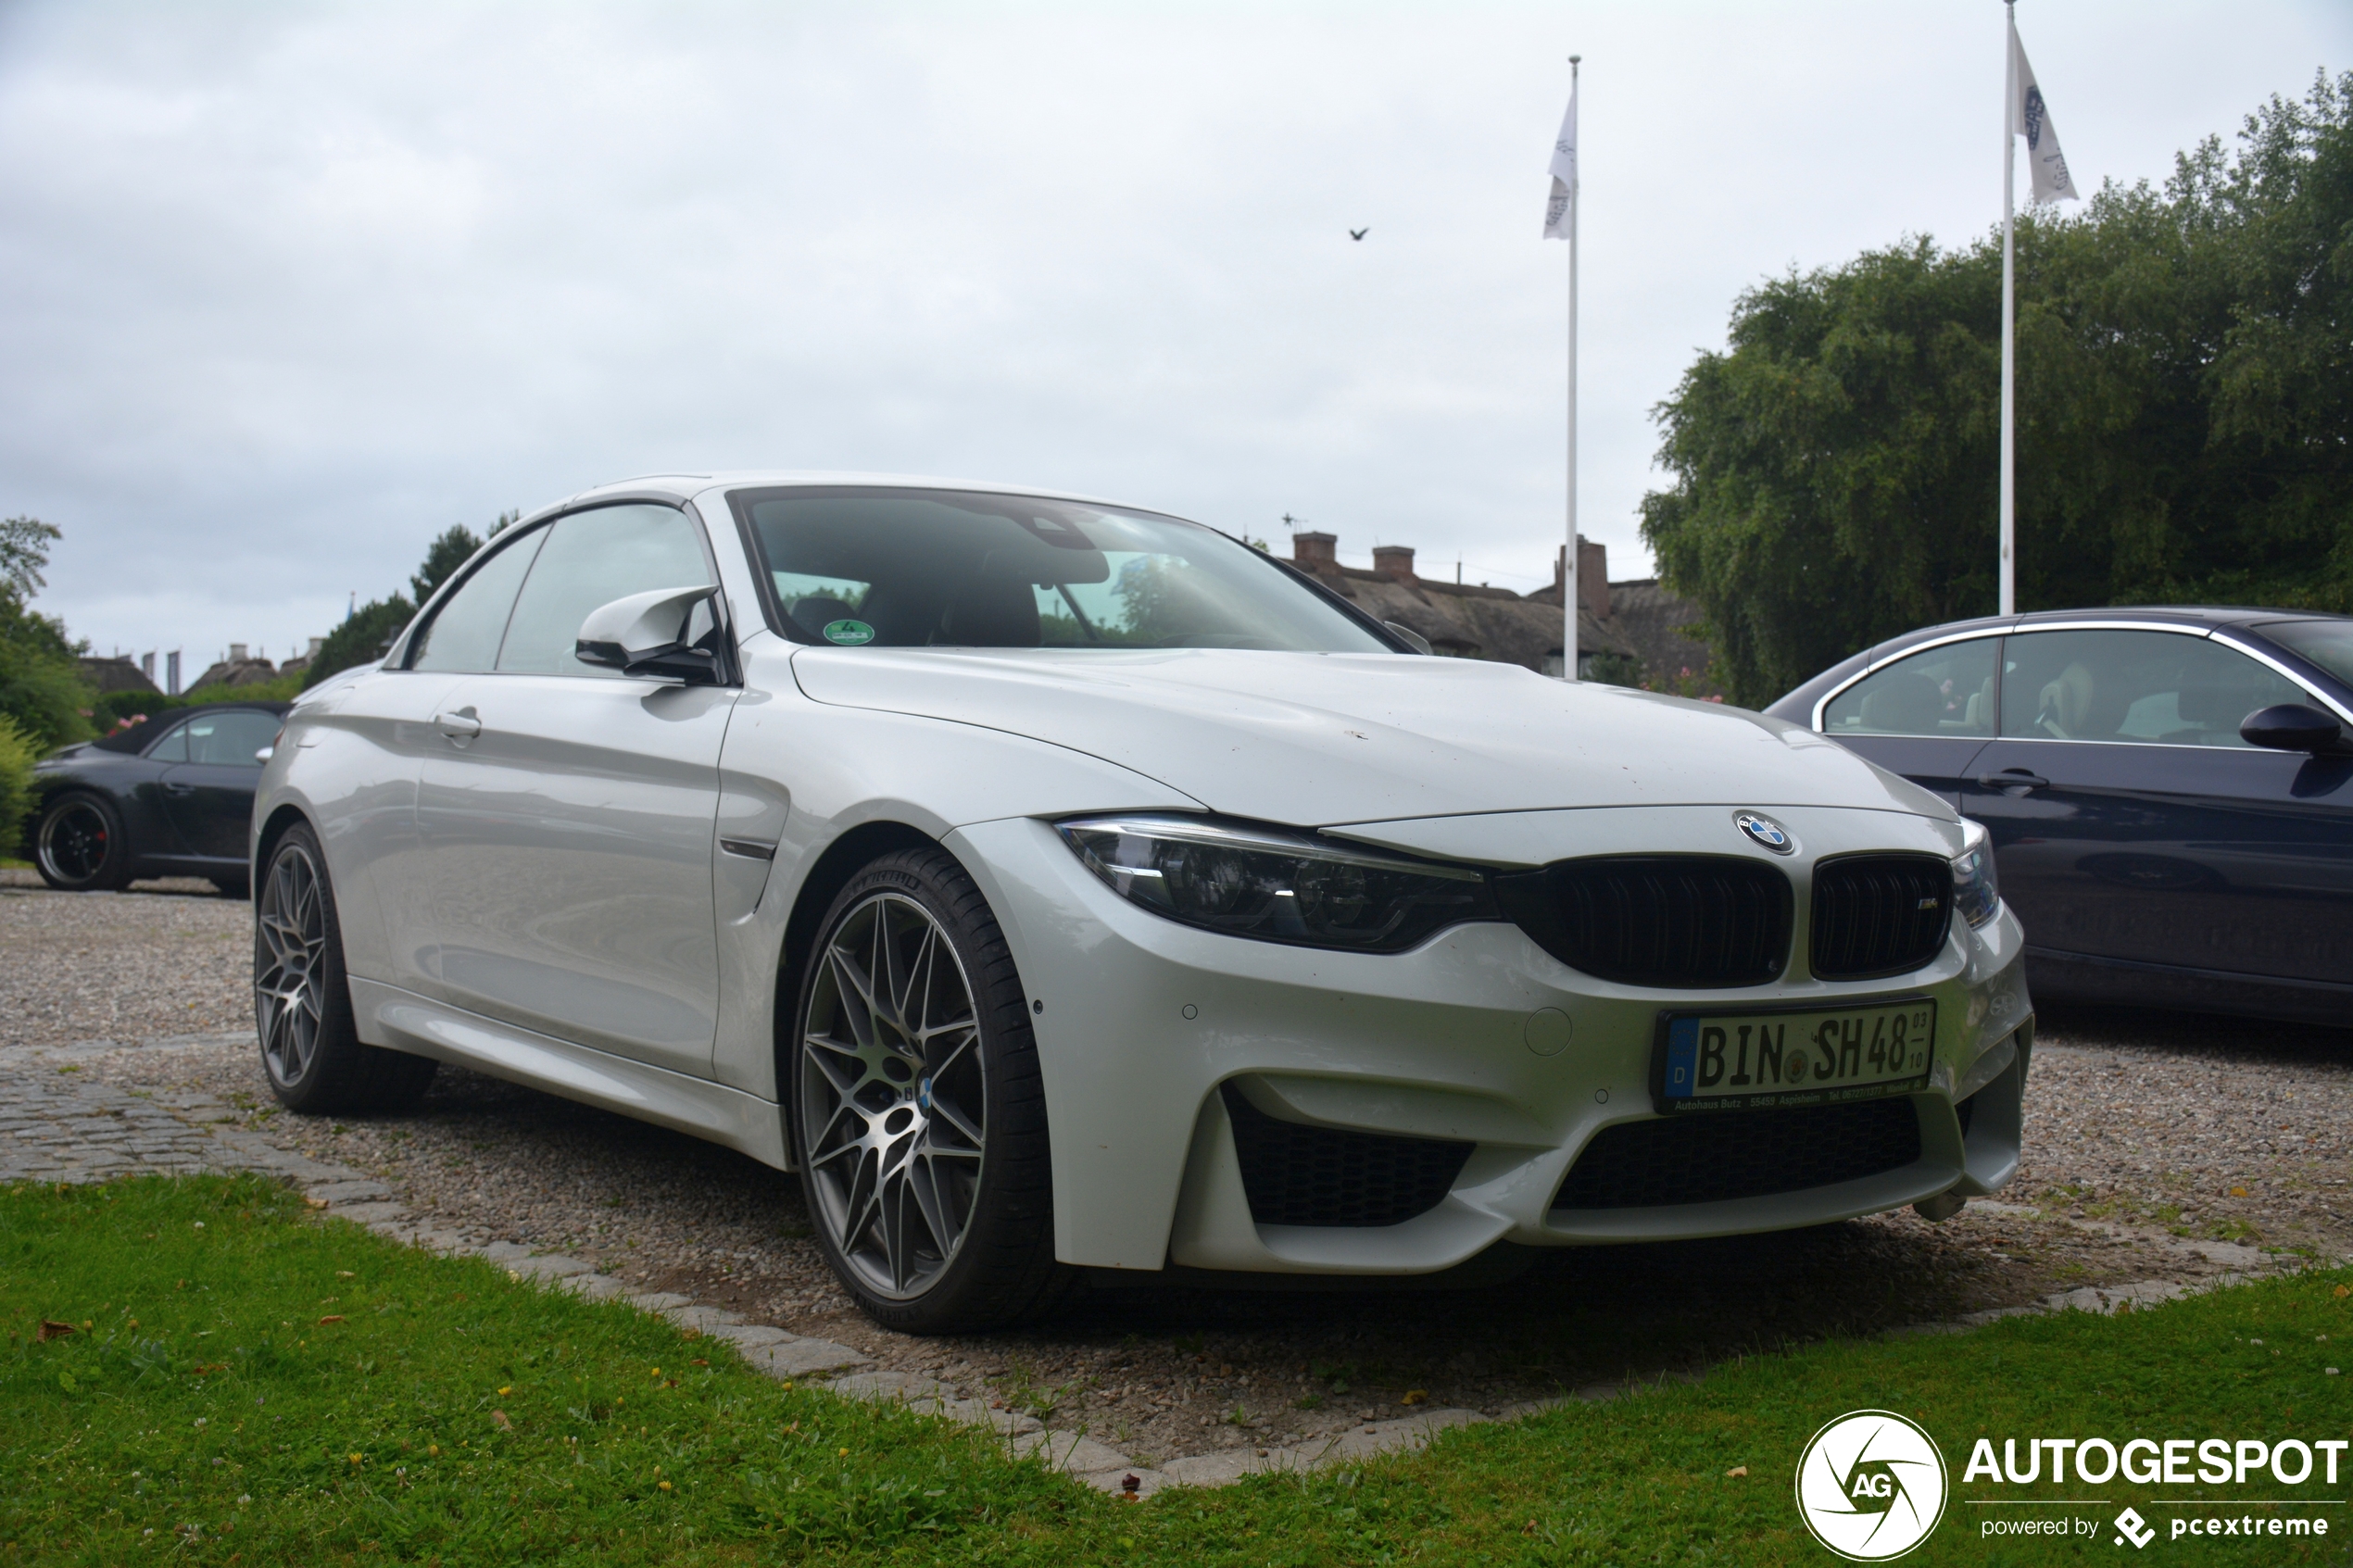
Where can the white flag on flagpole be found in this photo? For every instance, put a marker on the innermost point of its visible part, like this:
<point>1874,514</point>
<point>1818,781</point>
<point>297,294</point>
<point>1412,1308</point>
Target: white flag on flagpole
<point>1563,174</point>
<point>2031,118</point>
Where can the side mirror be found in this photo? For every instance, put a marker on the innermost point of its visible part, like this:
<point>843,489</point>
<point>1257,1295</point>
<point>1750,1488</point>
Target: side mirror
<point>666,634</point>
<point>2292,726</point>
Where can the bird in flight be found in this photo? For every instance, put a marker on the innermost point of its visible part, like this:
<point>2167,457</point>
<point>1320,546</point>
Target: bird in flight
<point>1360,233</point>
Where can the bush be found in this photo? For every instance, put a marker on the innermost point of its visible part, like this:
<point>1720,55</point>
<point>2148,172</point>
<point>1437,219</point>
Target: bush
<point>1614,670</point>
<point>17,757</point>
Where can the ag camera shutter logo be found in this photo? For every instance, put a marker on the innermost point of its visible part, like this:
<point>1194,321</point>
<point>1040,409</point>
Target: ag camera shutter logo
<point>1870,1485</point>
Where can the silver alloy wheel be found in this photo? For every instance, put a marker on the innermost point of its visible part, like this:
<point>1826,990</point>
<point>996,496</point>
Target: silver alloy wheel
<point>893,1094</point>
<point>290,941</point>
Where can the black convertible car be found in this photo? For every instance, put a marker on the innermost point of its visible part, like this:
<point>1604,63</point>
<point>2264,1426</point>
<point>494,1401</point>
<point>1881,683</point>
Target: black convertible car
<point>169,796</point>
<point>2170,791</point>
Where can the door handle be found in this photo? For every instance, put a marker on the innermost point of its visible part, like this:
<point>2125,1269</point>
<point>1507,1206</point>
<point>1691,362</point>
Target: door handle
<point>2008,780</point>
<point>460,725</point>
<point>179,789</point>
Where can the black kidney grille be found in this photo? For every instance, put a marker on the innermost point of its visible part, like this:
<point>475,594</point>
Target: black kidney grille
<point>1709,1157</point>
<point>1657,919</point>
<point>1879,914</point>
<point>1301,1176</point>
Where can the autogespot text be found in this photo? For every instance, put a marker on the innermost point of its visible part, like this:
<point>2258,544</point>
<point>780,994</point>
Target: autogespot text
<point>2291,1474</point>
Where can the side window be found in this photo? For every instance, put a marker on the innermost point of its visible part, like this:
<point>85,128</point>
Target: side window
<point>1939,691</point>
<point>464,633</point>
<point>173,747</point>
<point>230,739</point>
<point>591,559</point>
<point>2156,688</point>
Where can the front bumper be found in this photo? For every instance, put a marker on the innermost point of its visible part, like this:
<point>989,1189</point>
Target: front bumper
<point>1145,1026</point>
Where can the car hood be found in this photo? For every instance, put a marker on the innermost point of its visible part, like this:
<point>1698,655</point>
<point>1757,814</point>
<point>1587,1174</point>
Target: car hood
<point>1322,739</point>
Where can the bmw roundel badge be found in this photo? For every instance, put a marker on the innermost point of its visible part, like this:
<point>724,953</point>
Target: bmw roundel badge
<point>1762,829</point>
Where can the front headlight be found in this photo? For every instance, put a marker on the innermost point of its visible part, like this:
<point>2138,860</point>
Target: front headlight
<point>1977,892</point>
<point>1274,886</point>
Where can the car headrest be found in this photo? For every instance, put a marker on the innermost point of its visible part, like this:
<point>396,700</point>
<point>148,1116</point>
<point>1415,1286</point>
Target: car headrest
<point>1981,706</point>
<point>2066,703</point>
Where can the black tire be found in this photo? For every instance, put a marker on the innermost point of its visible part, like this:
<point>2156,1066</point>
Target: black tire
<point>310,1047</point>
<point>79,844</point>
<point>916,1095</point>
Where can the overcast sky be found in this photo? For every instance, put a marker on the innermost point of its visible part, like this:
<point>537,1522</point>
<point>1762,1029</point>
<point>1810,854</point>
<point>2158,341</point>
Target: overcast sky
<point>287,289</point>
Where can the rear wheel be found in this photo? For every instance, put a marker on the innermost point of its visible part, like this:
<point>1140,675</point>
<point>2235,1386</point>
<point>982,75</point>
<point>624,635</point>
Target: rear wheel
<point>919,1116</point>
<point>310,1047</point>
<point>79,846</point>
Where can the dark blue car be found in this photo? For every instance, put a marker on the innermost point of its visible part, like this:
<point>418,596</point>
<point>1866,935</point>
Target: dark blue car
<point>2170,791</point>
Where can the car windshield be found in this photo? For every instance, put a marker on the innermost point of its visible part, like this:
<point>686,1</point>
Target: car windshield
<point>2327,644</point>
<point>855,567</point>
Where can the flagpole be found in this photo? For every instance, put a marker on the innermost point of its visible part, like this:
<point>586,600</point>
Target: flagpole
<point>1569,569</point>
<point>2009,317</point>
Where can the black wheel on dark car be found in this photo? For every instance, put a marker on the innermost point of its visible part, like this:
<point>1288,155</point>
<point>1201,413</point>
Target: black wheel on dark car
<point>79,846</point>
<point>918,1114</point>
<point>310,1047</point>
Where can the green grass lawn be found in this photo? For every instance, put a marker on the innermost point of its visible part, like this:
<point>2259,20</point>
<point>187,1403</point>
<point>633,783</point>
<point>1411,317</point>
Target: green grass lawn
<point>248,1383</point>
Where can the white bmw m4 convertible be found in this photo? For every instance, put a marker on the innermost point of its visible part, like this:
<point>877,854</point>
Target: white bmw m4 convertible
<point>1060,887</point>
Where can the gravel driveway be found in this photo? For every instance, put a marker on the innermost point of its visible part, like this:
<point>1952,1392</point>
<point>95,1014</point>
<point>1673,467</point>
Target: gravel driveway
<point>2143,1132</point>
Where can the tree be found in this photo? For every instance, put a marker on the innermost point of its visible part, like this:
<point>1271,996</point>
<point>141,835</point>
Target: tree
<point>2185,416</point>
<point>369,631</point>
<point>449,553</point>
<point>24,550</point>
<point>41,690</point>
<point>361,638</point>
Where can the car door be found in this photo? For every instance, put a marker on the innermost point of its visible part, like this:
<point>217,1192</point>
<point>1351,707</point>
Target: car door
<point>374,737</point>
<point>1926,715</point>
<point>566,815</point>
<point>2131,824</point>
<point>209,795</point>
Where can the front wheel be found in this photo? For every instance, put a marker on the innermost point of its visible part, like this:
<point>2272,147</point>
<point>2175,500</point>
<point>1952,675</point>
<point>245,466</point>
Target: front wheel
<point>918,1112</point>
<point>310,1047</point>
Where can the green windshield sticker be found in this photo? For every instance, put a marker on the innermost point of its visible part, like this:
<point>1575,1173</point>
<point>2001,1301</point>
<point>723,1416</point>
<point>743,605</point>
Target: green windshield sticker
<point>849,633</point>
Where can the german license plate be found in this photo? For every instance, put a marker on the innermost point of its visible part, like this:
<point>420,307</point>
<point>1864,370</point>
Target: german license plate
<point>1741,1061</point>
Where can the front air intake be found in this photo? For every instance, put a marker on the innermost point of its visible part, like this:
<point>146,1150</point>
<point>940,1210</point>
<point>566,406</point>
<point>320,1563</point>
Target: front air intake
<point>1878,915</point>
<point>1704,1157</point>
<point>1657,919</point>
<point>1295,1175</point>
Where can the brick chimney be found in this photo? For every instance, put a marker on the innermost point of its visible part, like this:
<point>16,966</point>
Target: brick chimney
<point>236,653</point>
<point>1394,560</point>
<point>1593,575</point>
<point>1316,552</point>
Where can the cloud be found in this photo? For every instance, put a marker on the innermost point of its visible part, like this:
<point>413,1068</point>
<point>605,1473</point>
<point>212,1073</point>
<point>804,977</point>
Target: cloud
<point>286,290</point>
